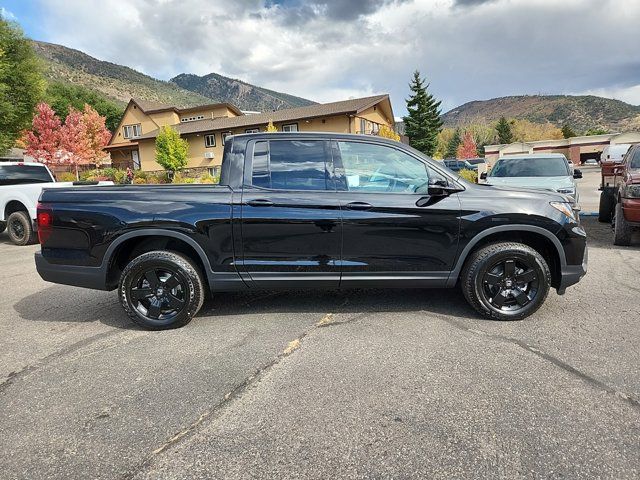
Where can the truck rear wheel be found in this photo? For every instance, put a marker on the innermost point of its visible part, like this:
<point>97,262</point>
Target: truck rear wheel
<point>506,281</point>
<point>605,209</point>
<point>621,228</point>
<point>160,290</point>
<point>20,228</point>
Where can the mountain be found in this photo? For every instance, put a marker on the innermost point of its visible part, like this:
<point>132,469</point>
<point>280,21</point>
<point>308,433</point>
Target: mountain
<point>237,92</point>
<point>580,112</point>
<point>115,82</point>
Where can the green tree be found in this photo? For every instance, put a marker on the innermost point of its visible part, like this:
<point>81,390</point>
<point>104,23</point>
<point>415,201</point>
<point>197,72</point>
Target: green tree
<point>596,131</point>
<point>454,143</point>
<point>21,83</point>
<point>505,135</point>
<point>61,96</point>
<point>568,132</point>
<point>423,122</point>
<point>171,150</point>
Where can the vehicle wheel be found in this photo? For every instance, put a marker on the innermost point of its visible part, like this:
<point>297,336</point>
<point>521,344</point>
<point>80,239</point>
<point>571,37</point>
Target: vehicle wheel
<point>621,228</point>
<point>160,290</point>
<point>20,228</point>
<point>506,281</point>
<point>607,204</point>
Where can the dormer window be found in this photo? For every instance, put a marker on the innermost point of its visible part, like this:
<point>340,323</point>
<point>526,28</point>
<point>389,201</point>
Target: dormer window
<point>131,131</point>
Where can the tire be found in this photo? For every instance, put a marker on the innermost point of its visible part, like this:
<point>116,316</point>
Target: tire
<point>160,290</point>
<point>513,268</point>
<point>20,228</point>
<point>605,209</point>
<point>621,229</point>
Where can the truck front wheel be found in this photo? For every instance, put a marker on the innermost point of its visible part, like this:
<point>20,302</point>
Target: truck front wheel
<point>160,290</point>
<point>20,228</point>
<point>621,228</point>
<point>506,281</point>
<point>605,209</point>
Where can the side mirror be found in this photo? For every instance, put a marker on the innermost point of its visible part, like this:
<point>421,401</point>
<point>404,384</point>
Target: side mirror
<point>437,187</point>
<point>577,173</point>
<point>483,176</point>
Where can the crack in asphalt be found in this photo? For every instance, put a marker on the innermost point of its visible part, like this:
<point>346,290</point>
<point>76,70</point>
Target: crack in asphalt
<point>237,391</point>
<point>592,381</point>
<point>13,376</point>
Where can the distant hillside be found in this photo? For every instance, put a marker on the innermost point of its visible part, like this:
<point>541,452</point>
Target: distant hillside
<point>579,112</point>
<point>115,82</point>
<point>237,92</point>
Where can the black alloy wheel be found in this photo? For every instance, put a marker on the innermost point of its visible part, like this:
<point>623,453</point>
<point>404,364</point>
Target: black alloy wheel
<point>20,228</point>
<point>506,281</point>
<point>161,289</point>
<point>510,284</point>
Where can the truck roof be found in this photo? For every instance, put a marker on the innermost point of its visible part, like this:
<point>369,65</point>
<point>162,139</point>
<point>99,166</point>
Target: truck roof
<point>534,155</point>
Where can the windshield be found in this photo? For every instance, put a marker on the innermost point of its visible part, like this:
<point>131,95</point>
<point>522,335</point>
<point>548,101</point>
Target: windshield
<point>530,167</point>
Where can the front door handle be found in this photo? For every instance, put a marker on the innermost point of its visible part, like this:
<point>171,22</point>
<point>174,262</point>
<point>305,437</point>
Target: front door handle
<point>359,206</point>
<point>260,202</point>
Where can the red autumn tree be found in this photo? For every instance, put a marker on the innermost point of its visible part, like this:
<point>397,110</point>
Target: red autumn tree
<point>73,138</point>
<point>97,134</point>
<point>468,148</point>
<point>42,142</point>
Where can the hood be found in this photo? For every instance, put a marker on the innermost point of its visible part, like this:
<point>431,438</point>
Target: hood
<point>520,193</point>
<point>547,183</point>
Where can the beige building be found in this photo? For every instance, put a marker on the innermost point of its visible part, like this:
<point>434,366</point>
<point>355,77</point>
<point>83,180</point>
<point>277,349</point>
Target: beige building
<point>206,127</point>
<point>576,149</point>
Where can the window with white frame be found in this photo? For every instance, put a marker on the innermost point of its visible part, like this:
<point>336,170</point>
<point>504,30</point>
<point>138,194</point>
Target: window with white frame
<point>252,130</point>
<point>224,136</point>
<point>210,140</point>
<point>291,127</point>
<point>131,131</point>
<point>363,125</point>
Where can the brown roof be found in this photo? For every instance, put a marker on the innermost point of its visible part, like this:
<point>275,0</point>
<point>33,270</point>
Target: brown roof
<point>148,106</point>
<point>355,105</point>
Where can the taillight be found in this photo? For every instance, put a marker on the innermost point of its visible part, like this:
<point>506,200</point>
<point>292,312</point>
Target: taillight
<point>45,223</point>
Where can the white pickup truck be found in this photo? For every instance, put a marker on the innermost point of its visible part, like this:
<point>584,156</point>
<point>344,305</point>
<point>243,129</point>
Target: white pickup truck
<point>20,186</point>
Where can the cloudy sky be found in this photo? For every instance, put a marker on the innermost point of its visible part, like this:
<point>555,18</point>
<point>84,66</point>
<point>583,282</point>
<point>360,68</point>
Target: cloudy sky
<point>335,49</point>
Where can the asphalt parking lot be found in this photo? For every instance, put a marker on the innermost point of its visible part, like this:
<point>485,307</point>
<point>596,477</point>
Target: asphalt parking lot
<point>335,384</point>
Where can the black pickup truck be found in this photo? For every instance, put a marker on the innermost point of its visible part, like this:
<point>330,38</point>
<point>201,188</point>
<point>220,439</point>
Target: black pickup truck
<point>309,210</point>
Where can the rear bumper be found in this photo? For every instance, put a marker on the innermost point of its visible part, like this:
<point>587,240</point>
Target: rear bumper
<point>572,274</point>
<point>77,276</point>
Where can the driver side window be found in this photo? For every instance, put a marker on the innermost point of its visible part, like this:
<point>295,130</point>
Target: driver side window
<point>378,168</point>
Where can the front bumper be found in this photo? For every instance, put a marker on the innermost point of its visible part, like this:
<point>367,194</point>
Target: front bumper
<point>77,276</point>
<point>572,274</point>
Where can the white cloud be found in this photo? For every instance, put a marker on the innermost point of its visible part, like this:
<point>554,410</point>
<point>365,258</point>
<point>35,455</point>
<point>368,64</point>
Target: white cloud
<point>468,49</point>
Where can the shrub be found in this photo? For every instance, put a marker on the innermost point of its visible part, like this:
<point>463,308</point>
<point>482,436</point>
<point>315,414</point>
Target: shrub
<point>208,178</point>
<point>386,132</point>
<point>469,175</point>
<point>189,180</point>
<point>139,181</point>
<point>177,178</point>
<point>120,176</point>
<point>139,174</point>
<point>66,177</point>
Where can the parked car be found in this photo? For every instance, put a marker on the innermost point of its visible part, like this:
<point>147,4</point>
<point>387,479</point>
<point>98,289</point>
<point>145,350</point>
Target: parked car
<point>626,210</point>
<point>480,165</point>
<point>312,210</point>
<point>591,162</point>
<point>457,165</point>
<point>20,186</point>
<point>550,171</point>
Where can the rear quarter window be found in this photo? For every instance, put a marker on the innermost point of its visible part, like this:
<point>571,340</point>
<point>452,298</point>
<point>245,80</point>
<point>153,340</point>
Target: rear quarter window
<point>23,174</point>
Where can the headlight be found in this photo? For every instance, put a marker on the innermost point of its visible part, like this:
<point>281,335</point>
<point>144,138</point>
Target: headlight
<point>632,191</point>
<point>567,190</point>
<point>568,209</point>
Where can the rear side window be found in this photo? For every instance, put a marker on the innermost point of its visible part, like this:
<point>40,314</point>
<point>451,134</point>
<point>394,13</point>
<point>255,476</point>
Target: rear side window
<point>290,165</point>
<point>21,174</point>
<point>635,160</point>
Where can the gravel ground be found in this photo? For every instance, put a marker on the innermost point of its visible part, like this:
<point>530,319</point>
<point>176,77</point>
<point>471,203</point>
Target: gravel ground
<point>348,384</point>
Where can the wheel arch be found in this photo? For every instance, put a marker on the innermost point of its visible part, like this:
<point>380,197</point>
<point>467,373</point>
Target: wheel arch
<point>13,206</point>
<point>537,238</point>
<point>135,243</point>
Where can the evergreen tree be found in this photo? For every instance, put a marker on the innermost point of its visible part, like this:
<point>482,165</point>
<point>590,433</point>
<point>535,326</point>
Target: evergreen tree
<point>568,132</point>
<point>452,146</point>
<point>505,135</point>
<point>422,123</point>
<point>21,83</point>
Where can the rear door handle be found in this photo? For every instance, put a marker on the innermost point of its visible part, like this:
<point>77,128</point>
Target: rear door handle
<point>260,202</point>
<point>359,206</point>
